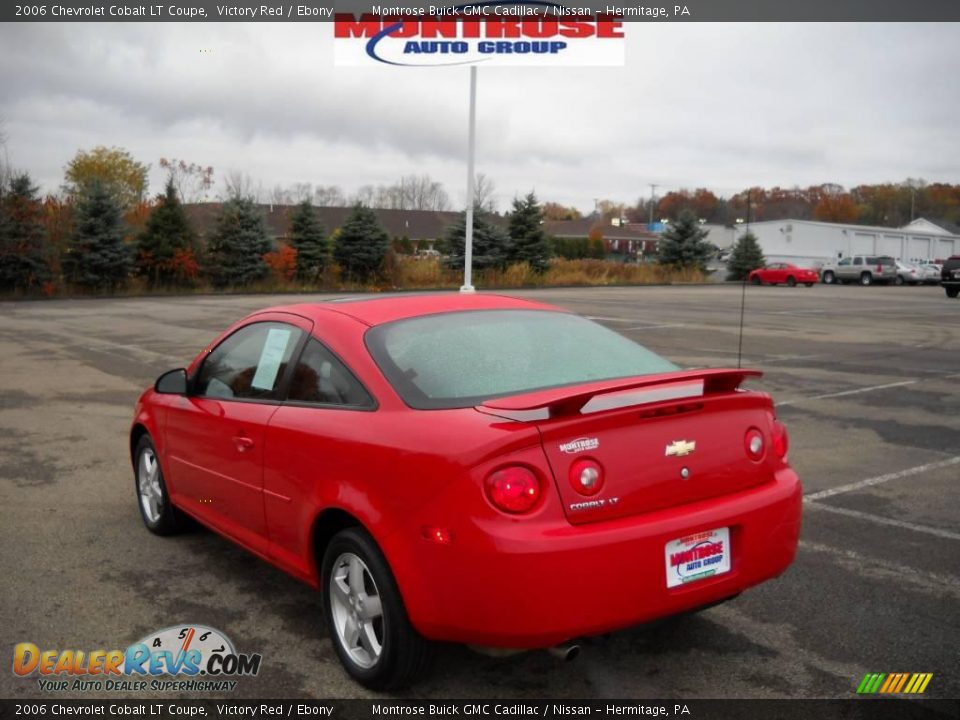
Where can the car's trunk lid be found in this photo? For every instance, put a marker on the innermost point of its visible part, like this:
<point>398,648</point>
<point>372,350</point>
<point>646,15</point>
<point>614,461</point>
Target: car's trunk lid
<point>662,440</point>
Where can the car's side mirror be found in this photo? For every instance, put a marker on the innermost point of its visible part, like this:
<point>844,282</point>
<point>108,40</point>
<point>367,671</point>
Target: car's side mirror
<point>173,382</point>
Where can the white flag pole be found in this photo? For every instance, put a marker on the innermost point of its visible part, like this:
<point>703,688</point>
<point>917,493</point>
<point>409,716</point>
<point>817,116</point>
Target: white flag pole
<point>471,152</point>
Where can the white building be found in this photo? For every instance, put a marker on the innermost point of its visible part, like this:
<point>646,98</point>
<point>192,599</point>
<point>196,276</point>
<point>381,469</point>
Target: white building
<point>808,243</point>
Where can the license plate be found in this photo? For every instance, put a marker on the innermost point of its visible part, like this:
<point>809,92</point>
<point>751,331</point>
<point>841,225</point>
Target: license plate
<point>698,556</point>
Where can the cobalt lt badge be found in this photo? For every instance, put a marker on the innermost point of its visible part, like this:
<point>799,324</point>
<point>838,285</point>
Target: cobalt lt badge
<point>680,448</point>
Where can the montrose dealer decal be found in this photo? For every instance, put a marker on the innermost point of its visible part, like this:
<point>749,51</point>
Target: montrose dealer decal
<point>180,658</point>
<point>494,33</point>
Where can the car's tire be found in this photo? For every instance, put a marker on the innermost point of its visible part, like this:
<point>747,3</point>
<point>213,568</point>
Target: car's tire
<point>380,651</point>
<point>899,280</point>
<point>952,292</point>
<point>158,513</point>
<point>791,281</point>
<point>755,280</point>
<point>866,279</point>
<point>829,278</point>
<point>809,284</point>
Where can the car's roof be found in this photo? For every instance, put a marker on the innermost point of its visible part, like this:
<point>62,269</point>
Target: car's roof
<point>378,309</point>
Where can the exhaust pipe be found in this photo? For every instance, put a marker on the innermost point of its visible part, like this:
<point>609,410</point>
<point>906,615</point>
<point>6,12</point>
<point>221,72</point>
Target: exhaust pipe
<point>567,653</point>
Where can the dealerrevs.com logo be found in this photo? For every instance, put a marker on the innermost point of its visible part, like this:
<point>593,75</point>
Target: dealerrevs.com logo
<point>495,33</point>
<point>180,658</point>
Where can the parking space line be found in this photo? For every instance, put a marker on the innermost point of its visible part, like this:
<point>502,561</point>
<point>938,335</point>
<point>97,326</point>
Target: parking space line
<point>604,318</point>
<point>880,479</point>
<point>937,532</point>
<point>848,392</point>
<point>657,327</point>
<point>863,564</point>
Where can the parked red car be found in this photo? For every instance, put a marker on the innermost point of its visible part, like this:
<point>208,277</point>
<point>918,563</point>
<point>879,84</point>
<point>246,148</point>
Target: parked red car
<point>777,273</point>
<point>469,468</point>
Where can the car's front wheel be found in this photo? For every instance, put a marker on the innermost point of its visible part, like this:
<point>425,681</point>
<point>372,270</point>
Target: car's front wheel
<point>365,615</point>
<point>866,279</point>
<point>952,292</point>
<point>899,280</point>
<point>157,511</point>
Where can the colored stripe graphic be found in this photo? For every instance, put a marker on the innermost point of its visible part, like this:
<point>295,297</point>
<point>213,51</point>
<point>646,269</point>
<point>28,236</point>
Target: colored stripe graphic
<point>894,683</point>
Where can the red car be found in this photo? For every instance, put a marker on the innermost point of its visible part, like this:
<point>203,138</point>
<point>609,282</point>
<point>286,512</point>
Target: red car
<point>777,273</point>
<point>469,468</point>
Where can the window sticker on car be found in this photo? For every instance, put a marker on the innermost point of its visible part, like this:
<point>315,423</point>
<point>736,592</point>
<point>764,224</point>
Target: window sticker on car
<point>270,359</point>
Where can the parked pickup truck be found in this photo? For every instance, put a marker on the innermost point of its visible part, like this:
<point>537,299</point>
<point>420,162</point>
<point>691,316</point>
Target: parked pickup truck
<point>863,269</point>
<point>950,276</point>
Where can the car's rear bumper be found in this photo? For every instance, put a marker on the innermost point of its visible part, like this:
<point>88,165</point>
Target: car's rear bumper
<point>539,584</point>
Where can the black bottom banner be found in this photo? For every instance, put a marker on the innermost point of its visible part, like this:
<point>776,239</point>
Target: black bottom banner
<point>854,709</point>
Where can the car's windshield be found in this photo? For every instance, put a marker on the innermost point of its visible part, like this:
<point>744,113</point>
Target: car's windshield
<point>460,359</point>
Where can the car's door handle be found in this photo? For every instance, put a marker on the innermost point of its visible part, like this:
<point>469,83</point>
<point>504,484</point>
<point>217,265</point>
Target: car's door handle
<point>243,444</point>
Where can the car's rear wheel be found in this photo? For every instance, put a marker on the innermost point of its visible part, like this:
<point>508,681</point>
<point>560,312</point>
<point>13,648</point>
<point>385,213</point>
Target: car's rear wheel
<point>157,511</point>
<point>952,292</point>
<point>829,278</point>
<point>866,279</point>
<point>791,281</point>
<point>368,623</point>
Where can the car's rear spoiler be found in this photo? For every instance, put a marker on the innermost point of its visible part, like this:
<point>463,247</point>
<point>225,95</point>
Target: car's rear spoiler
<point>610,394</point>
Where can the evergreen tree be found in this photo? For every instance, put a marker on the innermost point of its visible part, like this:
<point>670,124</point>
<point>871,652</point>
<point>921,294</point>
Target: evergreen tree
<point>362,244</point>
<point>24,249</point>
<point>746,256</point>
<point>310,241</point>
<point>166,234</point>
<point>490,243</point>
<point>682,244</point>
<point>528,241</point>
<point>239,242</point>
<point>97,258</point>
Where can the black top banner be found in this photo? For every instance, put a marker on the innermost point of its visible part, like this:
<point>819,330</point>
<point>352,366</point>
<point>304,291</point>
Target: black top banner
<point>314,11</point>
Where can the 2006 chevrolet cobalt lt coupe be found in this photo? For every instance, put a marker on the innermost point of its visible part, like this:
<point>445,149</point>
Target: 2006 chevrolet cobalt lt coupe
<point>469,468</point>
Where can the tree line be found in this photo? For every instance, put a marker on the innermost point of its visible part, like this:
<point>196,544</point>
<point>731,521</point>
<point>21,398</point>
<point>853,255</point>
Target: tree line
<point>103,233</point>
<point>884,204</point>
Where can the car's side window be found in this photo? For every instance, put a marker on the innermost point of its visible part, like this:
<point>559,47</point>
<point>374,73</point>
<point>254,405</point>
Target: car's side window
<point>250,364</point>
<point>319,377</point>
<point>858,261</point>
<point>845,261</point>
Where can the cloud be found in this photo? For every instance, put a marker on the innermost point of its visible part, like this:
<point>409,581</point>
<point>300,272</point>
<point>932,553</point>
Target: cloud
<point>724,106</point>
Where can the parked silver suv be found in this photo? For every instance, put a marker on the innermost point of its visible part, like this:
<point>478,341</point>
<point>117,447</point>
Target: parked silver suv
<point>864,269</point>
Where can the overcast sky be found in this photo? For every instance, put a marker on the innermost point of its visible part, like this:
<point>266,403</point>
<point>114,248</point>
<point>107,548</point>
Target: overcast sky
<point>723,106</point>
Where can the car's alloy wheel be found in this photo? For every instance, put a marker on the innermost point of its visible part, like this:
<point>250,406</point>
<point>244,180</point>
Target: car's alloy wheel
<point>365,615</point>
<point>829,278</point>
<point>899,280</point>
<point>792,281</point>
<point>356,610</point>
<point>157,512</point>
<point>866,279</point>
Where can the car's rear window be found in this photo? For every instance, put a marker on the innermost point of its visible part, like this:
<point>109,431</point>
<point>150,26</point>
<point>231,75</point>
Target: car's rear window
<point>460,359</point>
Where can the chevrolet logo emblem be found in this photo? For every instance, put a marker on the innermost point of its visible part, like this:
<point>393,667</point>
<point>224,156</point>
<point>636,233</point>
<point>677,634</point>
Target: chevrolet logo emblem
<point>680,448</point>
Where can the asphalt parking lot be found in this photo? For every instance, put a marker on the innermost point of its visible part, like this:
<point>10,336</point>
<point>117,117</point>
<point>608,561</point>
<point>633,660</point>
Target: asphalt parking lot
<point>868,384</point>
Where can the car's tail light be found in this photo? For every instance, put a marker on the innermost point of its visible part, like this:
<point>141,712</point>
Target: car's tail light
<point>880,269</point>
<point>781,441</point>
<point>586,476</point>
<point>753,443</point>
<point>514,489</point>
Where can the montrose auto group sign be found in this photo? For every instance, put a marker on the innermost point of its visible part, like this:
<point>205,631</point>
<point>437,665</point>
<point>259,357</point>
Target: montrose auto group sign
<point>497,33</point>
